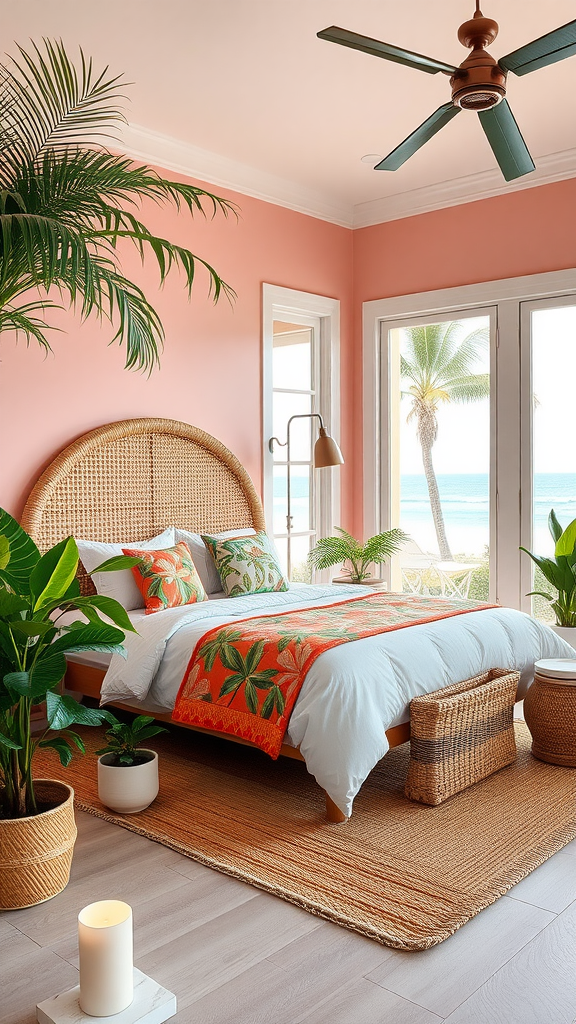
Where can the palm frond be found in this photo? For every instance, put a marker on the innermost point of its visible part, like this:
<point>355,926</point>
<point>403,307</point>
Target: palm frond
<point>329,551</point>
<point>19,321</point>
<point>381,547</point>
<point>472,388</point>
<point>66,204</point>
<point>47,102</point>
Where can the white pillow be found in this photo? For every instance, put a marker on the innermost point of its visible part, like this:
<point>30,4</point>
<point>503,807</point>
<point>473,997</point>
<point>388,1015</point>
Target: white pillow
<point>202,558</point>
<point>119,585</point>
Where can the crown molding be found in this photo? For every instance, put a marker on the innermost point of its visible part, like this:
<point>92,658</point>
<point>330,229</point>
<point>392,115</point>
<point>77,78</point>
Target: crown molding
<point>184,158</point>
<point>467,189</point>
<point>172,154</point>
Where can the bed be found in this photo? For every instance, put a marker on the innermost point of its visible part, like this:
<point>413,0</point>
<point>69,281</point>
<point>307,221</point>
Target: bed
<point>128,481</point>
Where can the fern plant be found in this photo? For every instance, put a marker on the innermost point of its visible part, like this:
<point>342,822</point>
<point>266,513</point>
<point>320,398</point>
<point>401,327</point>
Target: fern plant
<point>67,204</point>
<point>345,548</point>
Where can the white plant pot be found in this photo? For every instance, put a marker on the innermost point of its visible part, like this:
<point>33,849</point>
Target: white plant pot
<point>128,789</point>
<point>567,633</point>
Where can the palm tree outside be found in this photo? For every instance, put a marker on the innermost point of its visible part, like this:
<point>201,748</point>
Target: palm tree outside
<point>67,203</point>
<point>436,367</point>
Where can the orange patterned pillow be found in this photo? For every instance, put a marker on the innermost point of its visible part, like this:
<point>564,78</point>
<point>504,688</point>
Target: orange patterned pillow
<point>167,578</point>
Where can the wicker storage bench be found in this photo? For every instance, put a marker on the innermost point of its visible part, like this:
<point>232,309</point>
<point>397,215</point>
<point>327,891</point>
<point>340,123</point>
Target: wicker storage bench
<point>461,734</point>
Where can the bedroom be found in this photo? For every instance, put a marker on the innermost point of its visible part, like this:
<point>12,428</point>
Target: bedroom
<point>314,219</point>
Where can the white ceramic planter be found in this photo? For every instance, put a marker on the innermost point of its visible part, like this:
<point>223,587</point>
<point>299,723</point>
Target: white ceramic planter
<point>567,633</point>
<point>128,790</point>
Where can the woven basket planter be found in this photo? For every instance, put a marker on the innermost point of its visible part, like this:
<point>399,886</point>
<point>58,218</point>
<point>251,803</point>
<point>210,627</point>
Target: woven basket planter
<point>36,852</point>
<point>550,713</point>
<point>461,734</point>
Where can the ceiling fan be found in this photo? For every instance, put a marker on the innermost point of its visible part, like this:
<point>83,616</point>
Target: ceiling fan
<point>478,84</point>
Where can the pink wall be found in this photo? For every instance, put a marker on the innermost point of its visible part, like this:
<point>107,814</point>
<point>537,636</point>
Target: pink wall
<point>211,366</point>
<point>527,232</point>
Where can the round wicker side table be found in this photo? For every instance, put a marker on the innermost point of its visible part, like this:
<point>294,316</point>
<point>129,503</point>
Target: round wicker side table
<point>550,711</point>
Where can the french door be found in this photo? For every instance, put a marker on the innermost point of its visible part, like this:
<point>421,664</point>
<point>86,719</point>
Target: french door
<point>548,346</point>
<point>496,462</point>
<point>437,425</point>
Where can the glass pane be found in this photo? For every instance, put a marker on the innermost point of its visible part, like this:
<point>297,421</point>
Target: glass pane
<point>286,406</point>
<point>301,572</point>
<point>440,486</point>
<point>301,498</point>
<point>282,549</point>
<point>292,358</point>
<point>280,507</point>
<point>553,335</point>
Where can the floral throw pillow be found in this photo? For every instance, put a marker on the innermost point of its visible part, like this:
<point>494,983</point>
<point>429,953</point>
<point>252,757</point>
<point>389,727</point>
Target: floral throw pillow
<point>167,578</point>
<point>246,565</point>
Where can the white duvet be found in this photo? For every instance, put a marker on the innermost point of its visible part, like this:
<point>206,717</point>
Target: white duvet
<point>352,693</point>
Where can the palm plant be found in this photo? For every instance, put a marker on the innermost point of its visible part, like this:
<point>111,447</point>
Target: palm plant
<point>437,362</point>
<point>331,550</point>
<point>67,204</point>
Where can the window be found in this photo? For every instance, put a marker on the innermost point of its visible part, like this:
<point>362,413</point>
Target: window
<point>436,379</point>
<point>531,365</point>
<point>294,393</point>
<point>549,348</point>
<point>300,377</point>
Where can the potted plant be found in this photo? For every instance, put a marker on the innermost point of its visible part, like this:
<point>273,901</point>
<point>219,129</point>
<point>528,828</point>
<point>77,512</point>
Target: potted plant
<point>128,772</point>
<point>37,829</point>
<point>356,557</point>
<point>560,572</point>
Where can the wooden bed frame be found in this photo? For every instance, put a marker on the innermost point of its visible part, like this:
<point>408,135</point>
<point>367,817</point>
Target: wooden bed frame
<point>128,481</point>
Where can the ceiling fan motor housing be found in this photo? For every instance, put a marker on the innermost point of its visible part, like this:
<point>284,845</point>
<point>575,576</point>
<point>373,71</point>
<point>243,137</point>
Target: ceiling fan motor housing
<point>479,83</point>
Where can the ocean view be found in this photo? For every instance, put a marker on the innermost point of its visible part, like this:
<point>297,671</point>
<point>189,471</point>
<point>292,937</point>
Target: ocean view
<point>465,503</point>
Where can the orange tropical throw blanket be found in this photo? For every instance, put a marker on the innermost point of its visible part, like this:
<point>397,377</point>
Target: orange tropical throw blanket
<point>244,678</point>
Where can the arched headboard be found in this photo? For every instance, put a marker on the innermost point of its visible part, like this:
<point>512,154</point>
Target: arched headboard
<point>129,480</point>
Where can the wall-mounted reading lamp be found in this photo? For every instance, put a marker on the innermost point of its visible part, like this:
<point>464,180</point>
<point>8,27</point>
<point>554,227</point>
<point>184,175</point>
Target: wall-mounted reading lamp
<point>326,453</point>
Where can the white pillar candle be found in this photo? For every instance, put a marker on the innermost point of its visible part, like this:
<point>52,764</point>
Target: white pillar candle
<point>106,958</point>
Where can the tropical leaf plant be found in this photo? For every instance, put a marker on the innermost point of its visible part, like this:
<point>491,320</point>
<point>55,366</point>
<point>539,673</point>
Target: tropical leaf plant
<point>125,739</point>
<point>559,571</point>
<point>68,205</point>
<point>437,366</point>
<point>357,557</point>
<point>35,591</point>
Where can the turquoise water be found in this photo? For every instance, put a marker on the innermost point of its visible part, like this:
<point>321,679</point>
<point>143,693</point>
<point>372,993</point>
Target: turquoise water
<point>466,504</point>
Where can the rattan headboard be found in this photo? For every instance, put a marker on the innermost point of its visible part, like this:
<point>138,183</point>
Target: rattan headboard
<point>127,481</point>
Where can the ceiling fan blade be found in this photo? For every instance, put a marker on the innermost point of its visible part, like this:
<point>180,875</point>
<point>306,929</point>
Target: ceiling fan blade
<point>417,139</point>
<point>385,50</point>
<point>548,49</point>
<point>506,140</point>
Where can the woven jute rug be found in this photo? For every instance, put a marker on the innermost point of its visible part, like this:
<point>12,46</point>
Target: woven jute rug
<point>399,872</point>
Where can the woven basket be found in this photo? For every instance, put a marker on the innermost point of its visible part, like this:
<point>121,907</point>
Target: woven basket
<point>36,852</point>
<point>461,734</point>
<point>550,713</point>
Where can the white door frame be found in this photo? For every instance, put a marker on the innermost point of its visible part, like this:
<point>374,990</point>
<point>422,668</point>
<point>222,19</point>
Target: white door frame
<point>507,295</point>
<point>288,304</point>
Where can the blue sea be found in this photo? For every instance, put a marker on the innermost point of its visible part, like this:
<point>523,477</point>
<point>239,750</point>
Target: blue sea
<point>466,503</point>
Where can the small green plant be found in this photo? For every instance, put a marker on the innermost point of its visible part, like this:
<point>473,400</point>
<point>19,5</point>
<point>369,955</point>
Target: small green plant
<point>559,571</point>
<point>125,738</point>
<point>331,550</point>
<point>35,590</point>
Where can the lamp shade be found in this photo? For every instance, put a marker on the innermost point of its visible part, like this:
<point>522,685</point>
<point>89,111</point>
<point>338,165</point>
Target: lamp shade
<point>326,451</point>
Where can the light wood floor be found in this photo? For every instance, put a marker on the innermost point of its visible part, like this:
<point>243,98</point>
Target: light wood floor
<point>236,955</point>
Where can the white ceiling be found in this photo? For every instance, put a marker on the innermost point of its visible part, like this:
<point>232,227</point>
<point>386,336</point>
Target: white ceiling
<point>243,93</point>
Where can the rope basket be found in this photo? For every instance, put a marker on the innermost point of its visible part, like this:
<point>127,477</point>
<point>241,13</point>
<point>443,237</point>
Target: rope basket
<point>461,734</point>
<point>36,852</point>
<point>550,713</point>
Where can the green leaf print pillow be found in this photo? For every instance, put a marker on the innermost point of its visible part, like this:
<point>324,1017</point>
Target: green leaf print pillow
<point>246,565</point>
